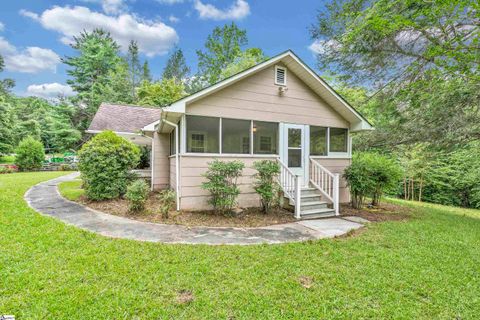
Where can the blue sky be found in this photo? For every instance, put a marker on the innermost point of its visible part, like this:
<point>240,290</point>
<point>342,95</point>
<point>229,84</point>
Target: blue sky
<point>34,34</point>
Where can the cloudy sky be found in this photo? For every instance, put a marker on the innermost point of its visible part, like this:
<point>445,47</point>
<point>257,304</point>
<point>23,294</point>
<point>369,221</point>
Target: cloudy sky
<point>34,34</point>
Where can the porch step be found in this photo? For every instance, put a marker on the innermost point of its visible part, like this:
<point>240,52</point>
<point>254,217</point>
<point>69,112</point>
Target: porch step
<point>308,205</point>
<point>317,213</point>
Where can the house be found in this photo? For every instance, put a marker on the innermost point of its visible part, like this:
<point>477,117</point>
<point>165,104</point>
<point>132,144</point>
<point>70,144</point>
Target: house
<point>279,110</point>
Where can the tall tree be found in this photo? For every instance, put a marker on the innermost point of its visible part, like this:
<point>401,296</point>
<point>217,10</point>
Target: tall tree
<point>221,48</point>
<point>176,67</point>
<point>146,76</point>
<point>134,68</point>
<point>161,93</point>
<point>246,59</point>
<point>421,55</point>
<point>5,84</point>
<point>97,55</point>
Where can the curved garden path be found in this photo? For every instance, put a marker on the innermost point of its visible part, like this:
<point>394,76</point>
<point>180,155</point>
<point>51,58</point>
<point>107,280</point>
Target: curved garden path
<point>45,198</point>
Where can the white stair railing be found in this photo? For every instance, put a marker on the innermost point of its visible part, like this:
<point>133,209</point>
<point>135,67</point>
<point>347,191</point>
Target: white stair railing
<point>290,184</point>
<point>326,182</point>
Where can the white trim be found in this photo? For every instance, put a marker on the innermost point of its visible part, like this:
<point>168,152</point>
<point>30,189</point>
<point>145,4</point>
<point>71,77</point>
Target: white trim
<point>277,67</point>
<point>229,155</point>
<point>220,133</point>
<point>117,132</point>
<point>177,163</point>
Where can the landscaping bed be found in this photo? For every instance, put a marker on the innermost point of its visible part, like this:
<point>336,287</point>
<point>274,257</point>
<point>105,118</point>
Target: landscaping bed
<point>383,212</point>
<point>249,217</point>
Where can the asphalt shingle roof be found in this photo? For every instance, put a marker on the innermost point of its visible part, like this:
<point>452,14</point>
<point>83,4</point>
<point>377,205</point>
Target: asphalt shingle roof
<point>123,118</point>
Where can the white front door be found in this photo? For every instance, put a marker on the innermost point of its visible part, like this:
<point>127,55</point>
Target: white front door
<point>294,149</point>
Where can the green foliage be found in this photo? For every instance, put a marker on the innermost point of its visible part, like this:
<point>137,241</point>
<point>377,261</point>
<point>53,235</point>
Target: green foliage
<point>167,199</point>
<point>134,69</point>
<point>176,67</point>
<point>221,49</point>
<point>222,184</point>
<point>245,60</point>
<point>161,93</point>
<point>30,154</point>
<point>105,164</point>
<point>137,195</point>
<point>90,70</point>
<point>146,76</point>
<point>266,184</point>
<point>5,84</point>
<point>371,175</point>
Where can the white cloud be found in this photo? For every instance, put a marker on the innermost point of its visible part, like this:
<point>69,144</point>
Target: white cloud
<point>113,6</point>
<point>173,19</point>
<point>29,14</point>
<point>238,10</point>
<point>2,26</point>
<point>153,37</point>
<point>50,90</point>
<point>29,60</point>
<point>321,46</point>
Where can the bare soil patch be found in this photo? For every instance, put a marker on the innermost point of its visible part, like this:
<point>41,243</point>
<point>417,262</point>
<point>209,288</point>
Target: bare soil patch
<point>384,212</point>
<point>250,217</point>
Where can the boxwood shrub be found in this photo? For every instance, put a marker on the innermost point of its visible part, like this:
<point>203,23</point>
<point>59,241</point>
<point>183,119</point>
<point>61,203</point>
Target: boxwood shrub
<point>105,163</point>
<point>30,154</point>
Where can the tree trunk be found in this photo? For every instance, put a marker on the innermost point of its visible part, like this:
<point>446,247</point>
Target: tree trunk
<point>420,190</point>
<point>405,188</point>
<point>412,193</point>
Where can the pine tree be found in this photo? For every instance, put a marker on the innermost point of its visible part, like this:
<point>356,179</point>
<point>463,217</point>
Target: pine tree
<point>146,76</point>
<point>134,68</point>
<point>176,67</point>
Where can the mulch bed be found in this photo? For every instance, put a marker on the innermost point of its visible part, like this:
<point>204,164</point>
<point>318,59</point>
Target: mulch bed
<point>250,217</point>
<point>384,212</point>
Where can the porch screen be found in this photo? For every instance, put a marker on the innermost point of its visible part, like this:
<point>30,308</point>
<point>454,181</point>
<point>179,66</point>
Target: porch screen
<point>265,137</point>
<point>338,140</point>
<point>235,136</point>
<point>203,134</point>
<point>318,141</point>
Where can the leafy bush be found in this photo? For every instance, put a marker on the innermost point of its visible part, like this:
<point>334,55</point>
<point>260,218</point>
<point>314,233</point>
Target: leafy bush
<point>222,183</point>
<point>4,169</point>
<point>167,199</point>
<point>105,163</point>
<point>137,195</point>
<point>371,175</point>
<point>30,154</point>
<point>266,184</point>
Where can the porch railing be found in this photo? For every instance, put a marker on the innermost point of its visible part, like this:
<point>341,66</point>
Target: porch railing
<point>326,182</point>
<point>290,184</point>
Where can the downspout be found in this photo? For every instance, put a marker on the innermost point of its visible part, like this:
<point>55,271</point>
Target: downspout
<point>177,162</point>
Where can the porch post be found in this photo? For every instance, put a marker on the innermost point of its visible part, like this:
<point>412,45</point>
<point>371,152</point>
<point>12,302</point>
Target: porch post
<point>336,191</point>
<point>297,197</point>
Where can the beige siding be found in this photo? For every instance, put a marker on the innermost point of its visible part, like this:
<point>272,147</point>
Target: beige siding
<point>161,163</point>
<point>173,173</point>
<point>195,198</point>
<point>257,98</point>
<point>338,166</point>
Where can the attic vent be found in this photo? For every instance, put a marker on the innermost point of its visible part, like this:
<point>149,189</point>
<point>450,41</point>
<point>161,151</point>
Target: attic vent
<point>280,76</point>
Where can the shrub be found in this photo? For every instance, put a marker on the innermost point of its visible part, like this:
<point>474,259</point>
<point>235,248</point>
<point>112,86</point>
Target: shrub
<point>137,194</point>
<point>266,184</point>
<point>30,154</point>
<point>105,163</point>
<point>371,175</point>
<point>222,183</point>
<point>167,199</point>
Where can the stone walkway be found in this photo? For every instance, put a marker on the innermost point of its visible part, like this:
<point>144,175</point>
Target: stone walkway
<point>45,199</point>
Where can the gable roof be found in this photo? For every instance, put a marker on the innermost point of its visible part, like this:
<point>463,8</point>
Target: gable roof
<point>123,118</point>
<point>302,71</point>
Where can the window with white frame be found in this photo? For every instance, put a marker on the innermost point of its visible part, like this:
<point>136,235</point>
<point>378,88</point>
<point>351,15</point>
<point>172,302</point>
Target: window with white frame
<point>280,76</point>
<point>265,137</point>
<point>338,140</point>
<point>318,141</point>
<point>235,136</point>
<point>202,134</point>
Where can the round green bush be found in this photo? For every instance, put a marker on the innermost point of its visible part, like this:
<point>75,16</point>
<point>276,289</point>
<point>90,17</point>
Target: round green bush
<point>30,154</point>
<point>105,163</point>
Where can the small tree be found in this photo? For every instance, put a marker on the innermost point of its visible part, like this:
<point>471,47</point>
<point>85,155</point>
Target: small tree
<point>371,175</point>
<point>222,183</point>
<point>266,184</point>
<point>137,194</point>
<point>30,154</point>
<point>105,164</point>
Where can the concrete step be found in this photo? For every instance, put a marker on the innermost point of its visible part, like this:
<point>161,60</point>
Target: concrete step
<point>308,205</point>
<point>317,213</point>
<point>309,191</point>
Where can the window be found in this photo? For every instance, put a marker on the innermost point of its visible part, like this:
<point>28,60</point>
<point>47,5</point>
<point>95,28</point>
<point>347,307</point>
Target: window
<point>338,140</point>
<point>280,76</point>
<point>202,134</point>
<point>265,137</point>
<point>294,148</point>
<point>235,136</point>
<point>318,141</point>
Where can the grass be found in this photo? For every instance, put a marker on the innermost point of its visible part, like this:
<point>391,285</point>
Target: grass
<point>72,190</point>
<point>7,159</point>
<point>424,268</point>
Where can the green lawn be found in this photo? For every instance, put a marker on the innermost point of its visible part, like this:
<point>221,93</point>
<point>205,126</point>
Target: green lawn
<point>72,190</point>
<point>426,268</point>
